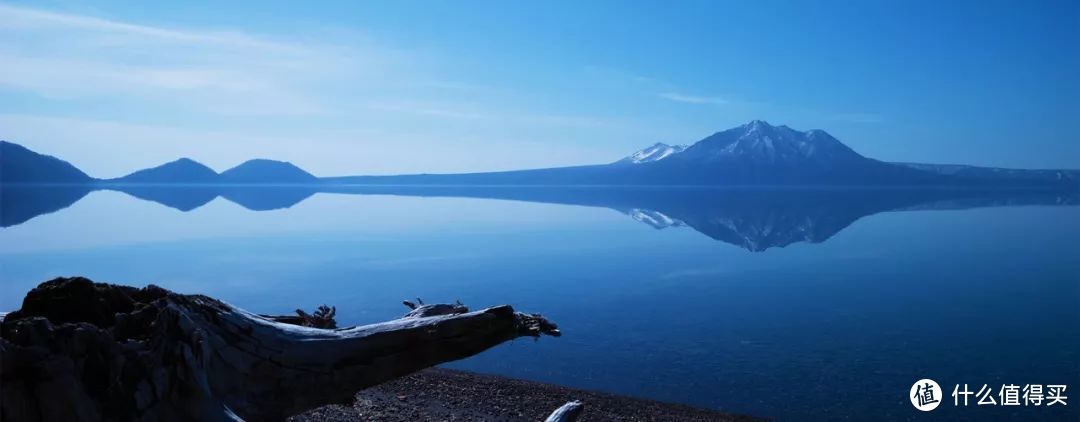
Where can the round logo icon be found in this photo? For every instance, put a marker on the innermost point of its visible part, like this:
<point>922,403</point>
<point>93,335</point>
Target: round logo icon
<point>925,395</point>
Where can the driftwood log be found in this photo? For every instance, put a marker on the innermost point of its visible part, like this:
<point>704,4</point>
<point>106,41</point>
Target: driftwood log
<point>568,412</point>
<point>84,351</point>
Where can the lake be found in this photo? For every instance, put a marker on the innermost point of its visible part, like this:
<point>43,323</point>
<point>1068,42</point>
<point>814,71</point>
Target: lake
<point>784,304</point>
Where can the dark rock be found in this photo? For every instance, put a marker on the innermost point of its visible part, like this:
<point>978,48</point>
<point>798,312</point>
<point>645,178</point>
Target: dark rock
<point>76,300</point>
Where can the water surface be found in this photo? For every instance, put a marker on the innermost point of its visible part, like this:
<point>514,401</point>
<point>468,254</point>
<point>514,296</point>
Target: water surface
<point>778,304</point>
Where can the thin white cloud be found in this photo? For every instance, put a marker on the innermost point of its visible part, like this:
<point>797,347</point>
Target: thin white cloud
<point>64,56</point>
<point>339,102</point>
<point>692,99</point>
<point>650,86</point>
<point>28,19</point>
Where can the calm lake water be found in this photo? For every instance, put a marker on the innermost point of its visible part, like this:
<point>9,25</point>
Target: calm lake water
<point>777,304</point>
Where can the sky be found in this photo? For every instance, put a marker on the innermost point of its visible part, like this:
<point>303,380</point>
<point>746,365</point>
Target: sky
<point>351,87</point>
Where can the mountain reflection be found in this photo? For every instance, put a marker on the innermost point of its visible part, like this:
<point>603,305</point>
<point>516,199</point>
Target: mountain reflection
<point>187,198</point>
<point>19,204</point>
<point>754,219</point>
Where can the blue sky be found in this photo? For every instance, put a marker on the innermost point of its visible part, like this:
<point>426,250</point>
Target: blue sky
<point>399,87</point>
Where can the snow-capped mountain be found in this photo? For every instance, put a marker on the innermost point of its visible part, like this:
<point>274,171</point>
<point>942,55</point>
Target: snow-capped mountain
<point>761,143</point>
<point>758,153</point>
<point>653,153</point>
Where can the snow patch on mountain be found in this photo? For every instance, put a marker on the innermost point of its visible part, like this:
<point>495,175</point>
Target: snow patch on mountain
<point>656,219</point>
<point>655,152</point>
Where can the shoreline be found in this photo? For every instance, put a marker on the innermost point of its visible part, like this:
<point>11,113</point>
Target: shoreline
<point>448,394</point>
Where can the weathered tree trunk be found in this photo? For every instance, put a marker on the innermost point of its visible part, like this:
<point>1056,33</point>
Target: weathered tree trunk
<point>79,350</point>
<point>568,412</point>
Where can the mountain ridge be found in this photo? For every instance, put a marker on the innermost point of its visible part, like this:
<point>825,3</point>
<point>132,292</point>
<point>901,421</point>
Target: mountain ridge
<point>753,154</point>
<point>182,170</point>
<point>186,171</point>
<point>19,164</point>
<point>262,170</point>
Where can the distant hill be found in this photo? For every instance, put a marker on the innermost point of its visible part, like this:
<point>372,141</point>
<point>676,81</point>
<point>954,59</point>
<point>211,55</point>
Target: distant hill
<point>182,171</point>
<point>21,165</point>
<point>1001,175</point>
<point>188,171</point>
<point>267,171</point>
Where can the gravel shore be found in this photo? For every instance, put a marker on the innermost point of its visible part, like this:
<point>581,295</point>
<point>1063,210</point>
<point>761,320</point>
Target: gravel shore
<point>447,395</point>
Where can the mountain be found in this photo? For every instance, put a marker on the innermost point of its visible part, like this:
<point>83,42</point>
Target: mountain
<point>188,171</point>
<point>758,153</point>
<point>260,171</point>
<point>656,152</point>
<point>760,143</point>
<point>754,154</point>
<point>182,171</point>
<point>21,165</point>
